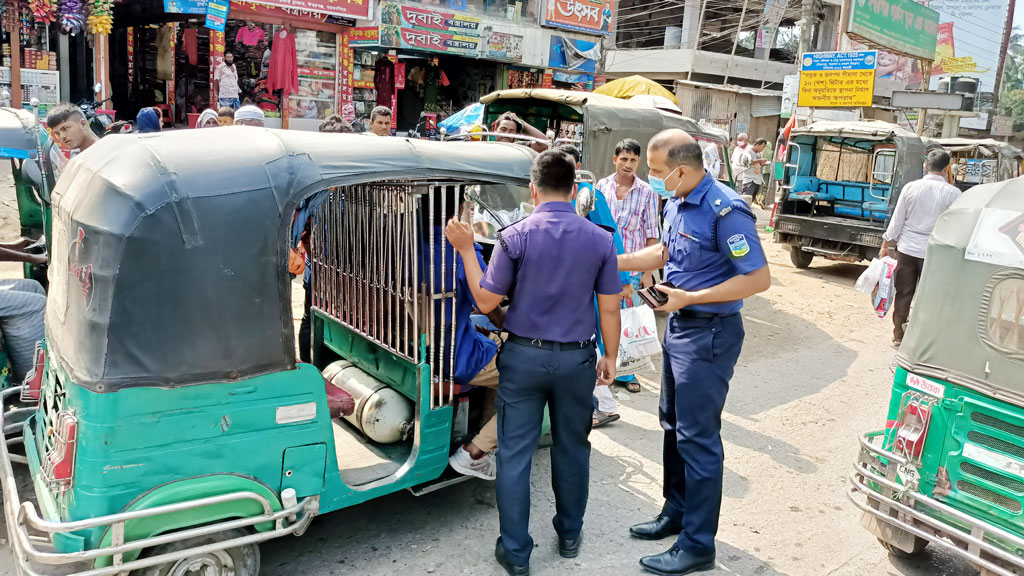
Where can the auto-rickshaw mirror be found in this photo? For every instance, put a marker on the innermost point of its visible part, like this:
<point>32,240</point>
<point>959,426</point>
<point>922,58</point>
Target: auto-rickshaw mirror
<point>584,201</point>
<point>30,171</point>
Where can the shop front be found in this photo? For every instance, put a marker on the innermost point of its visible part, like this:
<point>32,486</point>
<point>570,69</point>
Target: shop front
<point>30,44</point>
<point>287,60</point>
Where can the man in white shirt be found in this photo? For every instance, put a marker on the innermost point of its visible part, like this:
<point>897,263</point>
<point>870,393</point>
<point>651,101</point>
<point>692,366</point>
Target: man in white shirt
<point>225,82</point>
<point>918,208</point>
<point>749,176</point>
<point>737,155</point>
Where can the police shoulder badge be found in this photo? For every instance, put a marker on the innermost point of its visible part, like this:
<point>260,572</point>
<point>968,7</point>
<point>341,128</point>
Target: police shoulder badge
<point>738,245</point>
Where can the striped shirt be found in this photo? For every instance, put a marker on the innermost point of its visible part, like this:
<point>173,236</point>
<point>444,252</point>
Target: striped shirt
<point>636,214</point>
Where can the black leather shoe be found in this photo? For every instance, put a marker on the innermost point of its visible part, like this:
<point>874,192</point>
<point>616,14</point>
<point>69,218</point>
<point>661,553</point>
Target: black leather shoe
<point>657,529</point>
<point>502,557</point>
<point>677,562</point>
<point>569,547</point>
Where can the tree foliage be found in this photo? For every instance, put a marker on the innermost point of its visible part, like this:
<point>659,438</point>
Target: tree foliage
<point>1011,92</point>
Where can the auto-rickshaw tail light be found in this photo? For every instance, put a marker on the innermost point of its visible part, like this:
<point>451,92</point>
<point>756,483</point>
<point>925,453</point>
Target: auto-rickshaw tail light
<point>912,427</point>
<point>32,386</point>
<point>59,467</point>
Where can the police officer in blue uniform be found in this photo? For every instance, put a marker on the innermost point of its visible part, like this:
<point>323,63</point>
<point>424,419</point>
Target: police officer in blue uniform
<point>713,258</point>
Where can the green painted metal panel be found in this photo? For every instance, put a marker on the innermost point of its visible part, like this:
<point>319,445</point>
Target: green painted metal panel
<point>386,366</point>
<point>303,469</point>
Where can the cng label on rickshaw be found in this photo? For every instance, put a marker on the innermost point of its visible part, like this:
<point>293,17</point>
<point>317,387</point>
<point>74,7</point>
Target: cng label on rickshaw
<point>924,385</point>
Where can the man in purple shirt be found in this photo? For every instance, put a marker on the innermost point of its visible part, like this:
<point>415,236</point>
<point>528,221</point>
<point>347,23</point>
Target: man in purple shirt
<point>550,265</point>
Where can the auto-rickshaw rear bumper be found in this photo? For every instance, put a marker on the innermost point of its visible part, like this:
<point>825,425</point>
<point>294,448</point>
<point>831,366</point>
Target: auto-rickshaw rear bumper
<point>31,536</point>
<point>876,491</point>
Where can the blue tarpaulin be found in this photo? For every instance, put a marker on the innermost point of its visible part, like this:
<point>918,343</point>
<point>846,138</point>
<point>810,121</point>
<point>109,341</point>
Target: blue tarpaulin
<point>472,114</point>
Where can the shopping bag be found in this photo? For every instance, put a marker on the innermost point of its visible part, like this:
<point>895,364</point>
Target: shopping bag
<point>869,279</point>
<point>638,341</point>
<point>885,288</point>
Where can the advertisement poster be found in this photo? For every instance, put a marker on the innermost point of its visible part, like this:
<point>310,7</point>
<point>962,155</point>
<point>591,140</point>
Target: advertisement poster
<point>837,79</point>
<point>425,19</point>
<point>902,26</point>
<point>363,36</point>
<point>217,15</point>
<point>396,37</point>
<point>577,55</point>
<point>590,16</point>
<point>970,38</point>
<point>502,46</point>
<point>185,6</point>
<point>998,238</point>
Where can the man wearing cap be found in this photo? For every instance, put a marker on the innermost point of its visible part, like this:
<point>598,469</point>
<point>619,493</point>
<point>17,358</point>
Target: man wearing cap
<point>249,115</point>
<point>549,356</point>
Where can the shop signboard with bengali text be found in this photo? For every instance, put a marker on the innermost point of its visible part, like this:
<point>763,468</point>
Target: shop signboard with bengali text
<point>899,26</point>
<point>363,36</point>
<point>502,46</point>
<point>338,8</point>
<point>426,19</point>
<point>837,79</point>
<point>185,6</point>
<point>429,40</point>
<point>217,15</point>
<point>589,16</point>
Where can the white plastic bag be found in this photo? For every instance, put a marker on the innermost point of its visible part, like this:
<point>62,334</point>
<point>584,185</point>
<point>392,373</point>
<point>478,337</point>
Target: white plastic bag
<point>869,279</point>
<point>638,341</point>
<point>885,289</point>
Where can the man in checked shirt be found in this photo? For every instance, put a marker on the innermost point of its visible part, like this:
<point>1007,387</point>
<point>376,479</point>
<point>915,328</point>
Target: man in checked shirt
<point>635,207</point>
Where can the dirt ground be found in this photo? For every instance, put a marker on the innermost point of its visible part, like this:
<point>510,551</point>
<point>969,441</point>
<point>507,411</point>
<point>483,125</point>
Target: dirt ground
<point>813,376</point>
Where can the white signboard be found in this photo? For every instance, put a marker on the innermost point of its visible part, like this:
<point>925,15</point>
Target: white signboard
<point>998,238</point>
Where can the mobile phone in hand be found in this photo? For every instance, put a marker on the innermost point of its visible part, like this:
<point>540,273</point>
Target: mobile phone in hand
<point>654,297</point>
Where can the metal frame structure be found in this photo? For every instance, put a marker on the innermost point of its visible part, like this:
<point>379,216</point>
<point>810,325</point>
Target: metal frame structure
<point>378,289</point>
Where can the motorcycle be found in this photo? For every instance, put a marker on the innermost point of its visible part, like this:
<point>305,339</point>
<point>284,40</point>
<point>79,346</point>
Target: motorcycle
<point>98,122</point>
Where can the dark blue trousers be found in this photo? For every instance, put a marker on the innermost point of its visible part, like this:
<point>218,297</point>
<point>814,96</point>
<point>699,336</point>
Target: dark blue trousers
<point>699,357</point>
<point>531,377</point>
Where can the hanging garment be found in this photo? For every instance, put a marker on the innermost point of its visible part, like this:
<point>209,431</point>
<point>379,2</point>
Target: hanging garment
<point>164,56</point>
<point>284,65</point>
<point>250,37</point>
<point>190,42</point>
<point>384,81</point>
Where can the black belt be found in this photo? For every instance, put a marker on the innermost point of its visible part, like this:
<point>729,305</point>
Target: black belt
<point>684,313</point>
<point>548,344</point>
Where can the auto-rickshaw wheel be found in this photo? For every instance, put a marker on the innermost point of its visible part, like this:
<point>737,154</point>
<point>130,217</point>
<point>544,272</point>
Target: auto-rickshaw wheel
<point>919,546</point>
<point>800,257</point>
<point>240,561</point>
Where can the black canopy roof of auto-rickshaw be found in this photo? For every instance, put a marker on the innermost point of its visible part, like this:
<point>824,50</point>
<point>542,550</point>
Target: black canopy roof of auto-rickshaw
<point>170,256</point>
<point>967,325</point>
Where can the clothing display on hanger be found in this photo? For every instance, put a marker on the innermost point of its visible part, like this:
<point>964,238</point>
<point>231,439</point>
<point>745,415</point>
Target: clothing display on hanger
<point>164,55</point>
<point>250,36</point>
<point>384,81</point>
<point>190,43</point>
<point>284,65</point>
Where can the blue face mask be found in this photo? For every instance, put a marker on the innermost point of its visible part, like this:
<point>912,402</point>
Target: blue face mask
<point>659,187</point>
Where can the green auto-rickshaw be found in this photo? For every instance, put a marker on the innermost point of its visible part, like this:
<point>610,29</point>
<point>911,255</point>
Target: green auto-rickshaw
<point>174,427</point>
<point>948,469</point>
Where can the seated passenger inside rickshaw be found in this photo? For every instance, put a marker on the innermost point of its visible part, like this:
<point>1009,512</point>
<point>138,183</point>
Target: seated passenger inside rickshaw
<point>475,348</point>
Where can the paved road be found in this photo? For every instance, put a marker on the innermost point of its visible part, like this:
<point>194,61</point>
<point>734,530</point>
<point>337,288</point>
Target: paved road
<point>812,377</point>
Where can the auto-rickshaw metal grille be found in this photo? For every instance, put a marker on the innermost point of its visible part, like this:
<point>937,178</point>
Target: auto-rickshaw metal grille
<point>1011,484</point>
<point>380,270</point>
<point>998,424</point>
<point>988,495</point>
<point>995,443</point>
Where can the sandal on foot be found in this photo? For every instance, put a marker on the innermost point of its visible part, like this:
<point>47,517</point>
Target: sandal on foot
<point>600,419</point>
<point>632,386</point>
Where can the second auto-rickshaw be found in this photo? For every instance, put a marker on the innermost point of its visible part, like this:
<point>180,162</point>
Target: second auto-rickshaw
<point>948,467</point>
<point>174,430</point>
<point>976,162</point>
<point>596,123</point>
<point>840,185</point>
